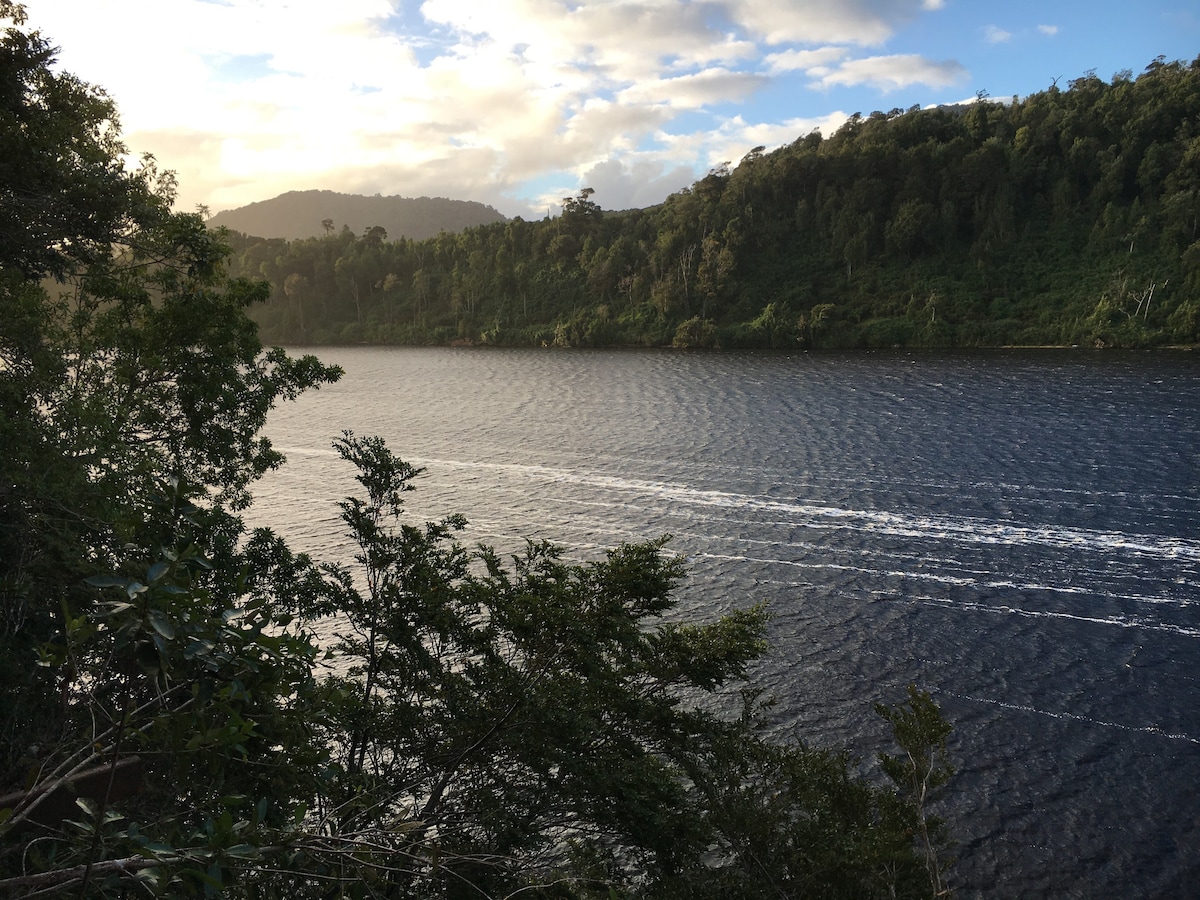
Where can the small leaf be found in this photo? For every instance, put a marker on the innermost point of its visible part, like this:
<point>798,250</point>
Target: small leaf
<point>159,850</point>
<point>105,581</point>
<point>211,879</point>
<point>157,571</point>
<point>198,647</point>
<point>160,623</point>
<point>242,851</point>
<point>116,606</point>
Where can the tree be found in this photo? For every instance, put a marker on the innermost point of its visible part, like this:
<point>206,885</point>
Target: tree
<point>296,289</point>
<point>65,194</point>
<point>791,820</point>
<point>717,262</point>
<point>923,768</point>
<point>580,213</point>
<point>510,710</point>
<point>537,723</point>
<point>132,394</point>
<point>189,712</point>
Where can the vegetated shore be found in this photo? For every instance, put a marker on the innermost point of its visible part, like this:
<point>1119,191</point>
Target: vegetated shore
<point>1067,218</point>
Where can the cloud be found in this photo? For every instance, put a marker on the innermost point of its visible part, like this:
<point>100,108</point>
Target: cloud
<point>635,183</point>
<point>694,91</point>
<point>616,42</point>
<point>891,73</point>
<point>857,22</point>
<point>1049,30</point>
<point>804,60</point>
<point>994,34</point>
<point>490,100</point>
<point>737,137</point>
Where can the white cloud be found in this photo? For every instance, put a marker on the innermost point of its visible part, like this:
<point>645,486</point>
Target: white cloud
<point>694,91</point>
<point>740,137</point>
<point>1049,30</point>
<point>635,183</point>
<point>644,178</point>
<point>860,22</point>
<point>612,41</point>
<point>804,60</point>
<point>467,98</point>
<point>994,34</point>
<point>890,73</point>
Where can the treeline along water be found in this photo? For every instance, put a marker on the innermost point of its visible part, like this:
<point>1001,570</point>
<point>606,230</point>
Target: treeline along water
<point>1015,532</point>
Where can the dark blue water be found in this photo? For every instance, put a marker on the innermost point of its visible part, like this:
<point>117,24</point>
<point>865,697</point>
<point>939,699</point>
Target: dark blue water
<point>1018,533</point>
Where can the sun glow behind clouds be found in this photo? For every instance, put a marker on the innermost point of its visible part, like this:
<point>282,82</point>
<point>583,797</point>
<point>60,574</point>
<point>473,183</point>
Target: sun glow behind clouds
<point>512,102</point>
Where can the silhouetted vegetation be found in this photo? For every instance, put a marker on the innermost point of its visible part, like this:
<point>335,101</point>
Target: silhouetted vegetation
<point>1068,217</point>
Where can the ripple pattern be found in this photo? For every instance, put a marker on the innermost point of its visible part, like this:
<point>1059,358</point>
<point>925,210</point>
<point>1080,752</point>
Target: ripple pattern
<point>1017,533</point>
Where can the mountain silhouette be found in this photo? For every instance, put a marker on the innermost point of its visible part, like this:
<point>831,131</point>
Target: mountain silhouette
<point>302,214</point>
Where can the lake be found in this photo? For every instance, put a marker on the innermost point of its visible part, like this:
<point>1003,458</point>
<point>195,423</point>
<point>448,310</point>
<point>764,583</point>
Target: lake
<point>1016,532</point>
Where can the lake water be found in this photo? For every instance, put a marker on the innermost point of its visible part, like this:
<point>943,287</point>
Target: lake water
<point>1018,533</point>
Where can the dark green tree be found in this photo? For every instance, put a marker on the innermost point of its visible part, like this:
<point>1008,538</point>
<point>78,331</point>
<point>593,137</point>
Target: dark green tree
<point>133,388</point>
<point>541,727</point>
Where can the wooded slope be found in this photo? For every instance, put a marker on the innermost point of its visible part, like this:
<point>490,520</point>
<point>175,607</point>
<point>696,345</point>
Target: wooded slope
<point>1068,217</point>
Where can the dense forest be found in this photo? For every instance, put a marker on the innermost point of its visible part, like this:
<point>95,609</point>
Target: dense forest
<point>1069,217</point>
<point>482,725</point>
<point>303,214</point>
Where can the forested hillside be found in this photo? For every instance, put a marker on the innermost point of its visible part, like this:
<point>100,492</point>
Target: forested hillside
<point>302,214</point>
<point>1068,217</point>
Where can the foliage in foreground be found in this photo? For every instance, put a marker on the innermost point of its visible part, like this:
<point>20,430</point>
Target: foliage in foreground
<point>492,728</point>
<point>483,728</point>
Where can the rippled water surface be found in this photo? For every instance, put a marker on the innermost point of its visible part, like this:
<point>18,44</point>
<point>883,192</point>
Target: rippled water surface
<point>1017,533</point>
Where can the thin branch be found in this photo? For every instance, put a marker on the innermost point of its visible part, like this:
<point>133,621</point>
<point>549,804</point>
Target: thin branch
<point>57,879</point>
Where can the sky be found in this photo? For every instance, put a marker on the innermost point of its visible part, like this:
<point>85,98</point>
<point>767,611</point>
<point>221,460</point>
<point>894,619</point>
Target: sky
<point>520,103</point>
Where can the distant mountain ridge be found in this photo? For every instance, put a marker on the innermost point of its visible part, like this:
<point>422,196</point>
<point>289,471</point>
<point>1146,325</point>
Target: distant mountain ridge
<point>301,214</point>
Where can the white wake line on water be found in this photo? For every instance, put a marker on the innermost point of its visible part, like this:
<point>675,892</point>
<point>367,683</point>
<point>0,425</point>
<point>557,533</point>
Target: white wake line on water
<point>956,528</point>
<point>574,524</point>
<point>1025,493</point>
<point>856,477</point>
<point>941,560</point>
<point>1005,610</point>
<point>595,527</point>
<point>1143,729</point>
<point>819,550</point>
<point>827,477</point>
<point>956,580</point>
